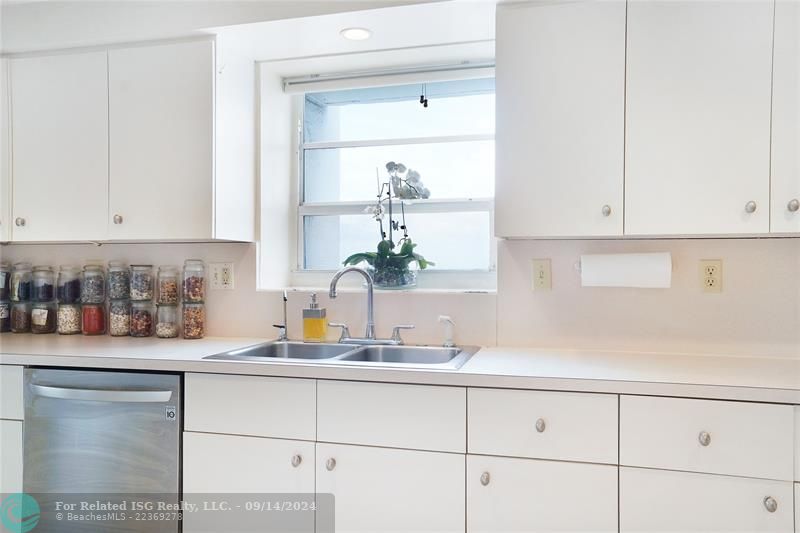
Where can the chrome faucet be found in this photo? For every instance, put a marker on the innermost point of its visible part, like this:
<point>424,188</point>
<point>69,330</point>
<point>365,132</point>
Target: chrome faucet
<point>369,333</point>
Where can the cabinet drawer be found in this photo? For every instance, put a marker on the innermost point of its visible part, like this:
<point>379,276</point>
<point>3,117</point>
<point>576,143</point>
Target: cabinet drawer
<point>399,416</point>
<point>797,444</point>
<point>251,405</point>
<point>11,404</point>
<point>659,501</point>
<point>734,438</point>
<point>545,425</point>
<point>10,456</point>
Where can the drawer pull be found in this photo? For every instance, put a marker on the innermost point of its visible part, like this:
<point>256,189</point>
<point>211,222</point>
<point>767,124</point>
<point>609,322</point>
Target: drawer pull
<point>330,464</point>
<point>541,425</point>
<point>704,438</point>
<point>296,460</point>
<point>486,478</point>
<point>770,504</point>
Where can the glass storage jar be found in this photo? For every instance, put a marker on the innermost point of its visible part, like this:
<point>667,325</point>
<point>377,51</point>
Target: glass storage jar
<point>167,321</point>
<point>43,317</point>
<point>94,319</point>
<point>141,318</point>
<point>69,319</point>
<point>43,284</point>
<point>20,317</point>
<point>119,318</point>
<point>68,288</point>
<point>141,282</point>
<point>93,285</point>
<point>21,282</point>
<point>5,316</point>
<point>194,281</point>
<point>167,285</point>
<point>194,320</point>
<point>119,281</point>
<point>5,281</point>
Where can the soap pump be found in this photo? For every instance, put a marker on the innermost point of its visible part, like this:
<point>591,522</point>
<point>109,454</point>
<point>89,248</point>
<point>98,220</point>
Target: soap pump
<point>315,323</point>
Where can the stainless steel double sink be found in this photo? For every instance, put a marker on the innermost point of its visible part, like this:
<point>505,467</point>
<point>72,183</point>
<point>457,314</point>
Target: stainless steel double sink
<point>400,356</point>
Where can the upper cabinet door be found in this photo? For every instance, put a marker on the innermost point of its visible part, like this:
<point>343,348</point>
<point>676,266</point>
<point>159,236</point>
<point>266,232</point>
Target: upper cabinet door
<point>60,147</point>
<point>698,117</point>
<point>161,106</point>
<point>560,119</point>
<point>786,119</point>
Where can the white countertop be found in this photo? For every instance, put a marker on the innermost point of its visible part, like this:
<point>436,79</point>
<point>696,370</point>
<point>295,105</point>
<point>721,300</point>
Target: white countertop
<point>703,376</point>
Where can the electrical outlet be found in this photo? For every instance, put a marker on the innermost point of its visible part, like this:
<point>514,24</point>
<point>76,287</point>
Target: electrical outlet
<point>221,276</point>
<point>711,275</point>
<point>542,275</point>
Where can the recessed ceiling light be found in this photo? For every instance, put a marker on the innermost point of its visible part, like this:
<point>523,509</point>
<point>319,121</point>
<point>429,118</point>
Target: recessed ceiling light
<point>356,34</point>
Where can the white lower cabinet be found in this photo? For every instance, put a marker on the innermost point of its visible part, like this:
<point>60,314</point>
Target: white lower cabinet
<point>660,500</point>
<point>381,490</point>
<point>506,495</point>
<point>10,456</point>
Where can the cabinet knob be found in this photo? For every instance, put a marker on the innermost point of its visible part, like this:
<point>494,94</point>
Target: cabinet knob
<point>485,478</point>
<point>770,504</point>
<point>296,460</point>
<point>330,464</point>
<point>541,425</point>
<point>750,207</point>
<point>793,205</point>
<point>117,219</point>
<point>19,221</point>
<point>606,210</point>
<point>705,438</point>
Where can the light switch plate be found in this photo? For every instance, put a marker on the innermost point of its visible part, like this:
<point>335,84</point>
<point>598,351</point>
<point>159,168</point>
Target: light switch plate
<point>542,275</point>
<point>711,275</point>
<point>221,275</point>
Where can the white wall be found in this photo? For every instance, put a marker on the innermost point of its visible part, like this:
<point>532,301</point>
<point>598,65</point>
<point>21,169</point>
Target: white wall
<point>757,313</point>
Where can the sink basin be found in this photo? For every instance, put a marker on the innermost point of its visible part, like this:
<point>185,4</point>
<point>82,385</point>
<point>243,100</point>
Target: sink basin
<point>432,357</point>
<point>286,350</point>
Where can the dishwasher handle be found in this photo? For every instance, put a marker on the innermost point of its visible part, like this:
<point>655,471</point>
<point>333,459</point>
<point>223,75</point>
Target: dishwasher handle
<point>102,395</point>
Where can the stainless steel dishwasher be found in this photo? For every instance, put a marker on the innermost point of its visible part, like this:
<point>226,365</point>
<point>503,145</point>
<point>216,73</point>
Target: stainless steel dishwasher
<point>95,434</point>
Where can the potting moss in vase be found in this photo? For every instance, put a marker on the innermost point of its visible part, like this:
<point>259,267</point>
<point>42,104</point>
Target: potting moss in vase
<point>390,266</point>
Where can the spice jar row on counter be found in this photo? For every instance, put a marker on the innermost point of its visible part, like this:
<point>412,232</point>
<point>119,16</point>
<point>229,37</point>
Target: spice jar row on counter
<point>92,284</point>
<point>124,318</point>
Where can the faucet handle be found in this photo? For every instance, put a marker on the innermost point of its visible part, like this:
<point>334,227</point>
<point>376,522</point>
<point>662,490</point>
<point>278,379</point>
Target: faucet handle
<point>345,331</point>
<point>396,332</point>
<point>281,331</point>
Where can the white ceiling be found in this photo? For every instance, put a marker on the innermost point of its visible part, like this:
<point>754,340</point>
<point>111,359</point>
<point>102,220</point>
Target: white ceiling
<point>393,28</point>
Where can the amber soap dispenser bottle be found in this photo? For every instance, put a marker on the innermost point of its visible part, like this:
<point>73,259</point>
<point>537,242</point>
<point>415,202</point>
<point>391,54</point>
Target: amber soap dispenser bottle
<point>315,323</point>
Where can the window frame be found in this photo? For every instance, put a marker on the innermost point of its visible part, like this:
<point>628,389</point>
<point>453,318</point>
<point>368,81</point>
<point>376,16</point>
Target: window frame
<point>437,279</point>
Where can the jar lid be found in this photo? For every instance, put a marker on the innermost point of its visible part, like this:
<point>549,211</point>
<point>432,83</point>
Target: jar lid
<point>68,267</point>
<point>4,265</point>
<point>24,265</point>
<point>42,268</point>
<point>168,268</point>
<point>141,266</point>
<point>196,263</point>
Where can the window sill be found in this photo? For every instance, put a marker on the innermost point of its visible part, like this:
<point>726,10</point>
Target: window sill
<point>430,281</point>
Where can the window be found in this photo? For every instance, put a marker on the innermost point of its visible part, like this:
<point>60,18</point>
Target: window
<point>349,136</point>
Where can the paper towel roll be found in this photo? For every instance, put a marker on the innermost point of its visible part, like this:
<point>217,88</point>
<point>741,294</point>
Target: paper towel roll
<point>649,271</point>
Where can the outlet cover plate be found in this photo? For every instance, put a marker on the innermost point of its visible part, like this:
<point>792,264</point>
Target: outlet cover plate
<point>711,275</point>
<point>221,276</point>
<point>542,279</point>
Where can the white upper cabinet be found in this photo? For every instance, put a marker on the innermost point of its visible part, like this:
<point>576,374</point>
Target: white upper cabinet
<point>5,155</point>
<point>560,119</point>
<point>698,117</point>
<point>786,119</point>
<point>165,180</point>
<point>59,120</point>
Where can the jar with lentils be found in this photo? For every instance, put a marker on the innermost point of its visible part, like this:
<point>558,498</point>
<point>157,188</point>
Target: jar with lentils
<point>119,281</point>
<point>141,283</point>
<point>93,285</point>
<point>194,320</point>
<point>20,317</point>
<point>68,288</point>
<point>43,317</point>
<point>69,319</point>
<point>94,319</point>
<point>119,318</point>
<point>194,281</point>
<point>142,319</point>
<point>167,285</point>
<point>5,316</point>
